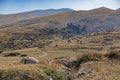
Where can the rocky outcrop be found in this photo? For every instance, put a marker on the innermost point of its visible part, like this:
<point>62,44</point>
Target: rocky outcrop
<point>29,60</point>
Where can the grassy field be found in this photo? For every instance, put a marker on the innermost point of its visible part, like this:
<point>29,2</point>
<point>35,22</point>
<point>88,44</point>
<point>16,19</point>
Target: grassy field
<point>77,46</point>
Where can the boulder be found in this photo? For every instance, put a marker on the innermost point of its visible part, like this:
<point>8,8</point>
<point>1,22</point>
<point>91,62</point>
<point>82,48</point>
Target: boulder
<point>50,78</point>
<point>29,60</point>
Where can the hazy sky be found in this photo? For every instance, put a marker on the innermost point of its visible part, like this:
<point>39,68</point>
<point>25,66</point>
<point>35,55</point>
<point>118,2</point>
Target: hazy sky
<point>15,6</point>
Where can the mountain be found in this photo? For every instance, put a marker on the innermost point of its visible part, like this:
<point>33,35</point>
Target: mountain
<point>118,9</point>
<point>37,32</point>
<point>95,20</point>
<point>10,18</point>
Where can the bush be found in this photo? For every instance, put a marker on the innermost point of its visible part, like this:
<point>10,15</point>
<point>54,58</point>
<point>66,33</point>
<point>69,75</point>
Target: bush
<point>87,58</point>
<point>12,54</point>
<point>23,55</point>
<point>90,57</point>
<point>54,74</point>
<point>113,55</point>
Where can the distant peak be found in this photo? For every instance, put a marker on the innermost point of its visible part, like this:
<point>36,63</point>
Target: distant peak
<point>103,8</point>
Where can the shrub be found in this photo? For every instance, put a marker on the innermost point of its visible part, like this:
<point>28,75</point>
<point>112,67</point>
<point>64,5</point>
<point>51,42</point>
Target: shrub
<point>23,55</point>
<point>113,55</point>
<point>54,74</point>
<point>88,57</point>
<point>12,54</point>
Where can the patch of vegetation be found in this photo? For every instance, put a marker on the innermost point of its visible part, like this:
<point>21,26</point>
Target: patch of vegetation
<point>39,37</point>
<point>88,57</point>
<point>23,55</point>
<point>55,74</point>
<point>12,54</point>
<point>76,29</point>
<point>113,55</point>
<point>13,74</point>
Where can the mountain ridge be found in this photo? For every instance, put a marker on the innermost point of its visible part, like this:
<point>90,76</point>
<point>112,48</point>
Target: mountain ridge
<point>95,18</point>
<point>118,9</point>
<point>11,18</point>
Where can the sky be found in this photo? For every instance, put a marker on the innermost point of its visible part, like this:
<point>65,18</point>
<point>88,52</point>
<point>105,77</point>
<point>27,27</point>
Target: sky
<point>16,6</point>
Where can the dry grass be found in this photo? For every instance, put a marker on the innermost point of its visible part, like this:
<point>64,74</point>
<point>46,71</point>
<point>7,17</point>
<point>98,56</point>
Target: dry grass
<point>105,68</point>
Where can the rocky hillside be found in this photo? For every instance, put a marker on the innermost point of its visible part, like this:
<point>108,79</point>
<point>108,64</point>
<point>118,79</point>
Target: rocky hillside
<point>38,32</point>
<point>100,19</point>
